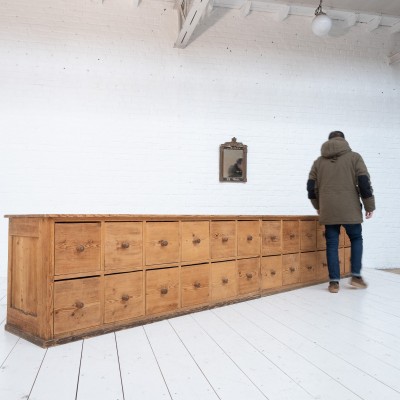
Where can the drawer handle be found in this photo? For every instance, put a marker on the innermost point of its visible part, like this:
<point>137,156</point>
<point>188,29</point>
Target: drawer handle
<point>324,264</point>
<point>273,272</point>
<point>125,297</point>
<point>274,238</point>
<point>197,285</point>
<point>225,281</point>
<point>80,248</point>
<point>163,243</point>
<point>309,267</point>
<point>249,238</point>
<point>292,269</point>
<point>225,239</point>
<point>125,245</point>
<point>196,241</point>
<point>249,275</point>
<point>164,290</point>
<point>79,304</point>
<point>292,236</point>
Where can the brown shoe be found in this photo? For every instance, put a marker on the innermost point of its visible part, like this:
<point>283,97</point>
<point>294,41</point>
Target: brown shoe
<point>333,287</point>
<point>358,282</point>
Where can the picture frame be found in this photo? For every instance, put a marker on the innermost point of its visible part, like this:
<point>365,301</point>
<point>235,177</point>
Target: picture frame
<point>233,161</point>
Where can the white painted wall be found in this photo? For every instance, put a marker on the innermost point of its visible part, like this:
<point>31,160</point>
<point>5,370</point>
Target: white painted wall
<point>100,114</point>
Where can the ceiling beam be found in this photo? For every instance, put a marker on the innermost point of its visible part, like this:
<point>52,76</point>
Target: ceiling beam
<point>374,23</point>
<point>191,20</point>
<point>394,58</point>
<point>282,13</point>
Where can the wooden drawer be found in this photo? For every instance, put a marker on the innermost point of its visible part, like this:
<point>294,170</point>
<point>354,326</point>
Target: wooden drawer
<point>76,304</point>
<point>308,267</point>
<point>249,275</point>
<point>344,239</point>
<point>77,247</point>
<point>271,237</point>
<point>290,269</point>
<point>308,235</point>
<point>271,272</point>
<point>347,260</point>
<point>162,242</point>
<point>223,280</point>
<point>195,240</point>
<point>321,241</point>
<point>290,236</point>
<point>162,290</point>
<point>223,239</point>
<point>195,284</point>
<point>123,245</point>
<point>123,296</point>
<point>248,237</point>
<point>322,265</point>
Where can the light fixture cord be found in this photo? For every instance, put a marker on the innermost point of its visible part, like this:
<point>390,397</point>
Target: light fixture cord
<point>319,11</point>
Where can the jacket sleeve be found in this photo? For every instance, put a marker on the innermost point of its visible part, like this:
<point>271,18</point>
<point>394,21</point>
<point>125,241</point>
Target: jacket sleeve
<point>312,187</point>
<point>364,185</point>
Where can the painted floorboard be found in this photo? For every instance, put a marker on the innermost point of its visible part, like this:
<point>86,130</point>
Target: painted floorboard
<point>141,375</point>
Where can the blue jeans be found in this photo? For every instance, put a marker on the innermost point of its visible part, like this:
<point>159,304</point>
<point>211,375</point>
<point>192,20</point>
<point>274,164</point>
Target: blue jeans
<point>354,232</point>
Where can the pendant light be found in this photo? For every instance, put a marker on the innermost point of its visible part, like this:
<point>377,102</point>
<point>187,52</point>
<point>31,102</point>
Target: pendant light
<point>321,24</point>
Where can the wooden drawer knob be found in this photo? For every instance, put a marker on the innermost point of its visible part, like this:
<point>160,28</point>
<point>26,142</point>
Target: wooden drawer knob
<point>249,275</point>
<point>249,238</point>
<point>225,239</point>
<point>164,290</point>
<point>225,281</point>
<point>273,272</point>
<point>292,269</point>
<point>197,285</point>
<point>80,248</point>
<point>125,245</point>
<point>196,241</point>
<point>324,264</point>
<point>274,238</point>
<point>79,304</point>
<point>125,297</point>
<point>292,236</point>
<point>163,243</point>
<point>309,267</point>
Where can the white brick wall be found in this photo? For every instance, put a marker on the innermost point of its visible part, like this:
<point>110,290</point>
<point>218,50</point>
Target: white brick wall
<point>100,114</point>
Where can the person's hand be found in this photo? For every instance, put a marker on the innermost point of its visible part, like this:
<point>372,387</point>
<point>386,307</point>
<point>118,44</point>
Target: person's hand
<point>368,214</point>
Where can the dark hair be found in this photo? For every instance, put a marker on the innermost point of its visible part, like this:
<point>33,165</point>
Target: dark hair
<point>335,134</point>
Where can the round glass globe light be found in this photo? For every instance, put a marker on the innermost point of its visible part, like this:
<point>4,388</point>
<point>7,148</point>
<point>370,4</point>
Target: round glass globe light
<point>321,25</point>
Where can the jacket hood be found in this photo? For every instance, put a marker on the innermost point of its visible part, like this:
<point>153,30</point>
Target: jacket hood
<point>334,148</point>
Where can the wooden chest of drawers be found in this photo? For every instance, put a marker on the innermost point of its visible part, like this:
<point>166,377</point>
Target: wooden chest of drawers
<point>72,276</point>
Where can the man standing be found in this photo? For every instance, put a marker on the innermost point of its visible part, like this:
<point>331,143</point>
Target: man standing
<point>337,181</point>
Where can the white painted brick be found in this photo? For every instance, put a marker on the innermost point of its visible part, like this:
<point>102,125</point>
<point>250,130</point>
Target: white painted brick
<point>100,113</point>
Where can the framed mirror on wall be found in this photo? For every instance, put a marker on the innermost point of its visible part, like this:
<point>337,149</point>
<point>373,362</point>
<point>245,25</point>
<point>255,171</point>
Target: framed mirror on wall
<point>233,162</point>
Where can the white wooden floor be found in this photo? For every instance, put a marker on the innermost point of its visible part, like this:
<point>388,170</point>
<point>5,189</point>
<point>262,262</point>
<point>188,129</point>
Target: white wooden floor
<point>303,344</point>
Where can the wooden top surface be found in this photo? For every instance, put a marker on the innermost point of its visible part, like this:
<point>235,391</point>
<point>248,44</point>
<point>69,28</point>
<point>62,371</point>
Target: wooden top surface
<point>158,217</point>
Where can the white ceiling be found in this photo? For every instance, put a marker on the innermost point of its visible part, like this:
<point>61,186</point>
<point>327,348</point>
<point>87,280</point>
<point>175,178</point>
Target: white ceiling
<point>386,7</point>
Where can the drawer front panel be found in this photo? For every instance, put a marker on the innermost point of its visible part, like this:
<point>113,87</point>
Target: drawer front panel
<point>77,247</point>
<point>321,241</point>
<point>162,290</point>
<point>308,267</point>
<point>271,272</point>
<point>248,238</point>
<point>223,280</point>
<point>290,269</point>
<point>322,265</point>
<point>195,282</point>
<point>271,237</point>
<point>308,235</point>
<point>223,239</point>
<point>195,240</point>
<point>76,304</point>
<point>290,236</point>
<point>123,245</point>
<point>249,275</point>
<point>162,242</point>
<point>123,296</point>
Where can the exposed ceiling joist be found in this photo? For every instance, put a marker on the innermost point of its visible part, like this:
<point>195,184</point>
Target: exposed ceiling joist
<point>190,21</point>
